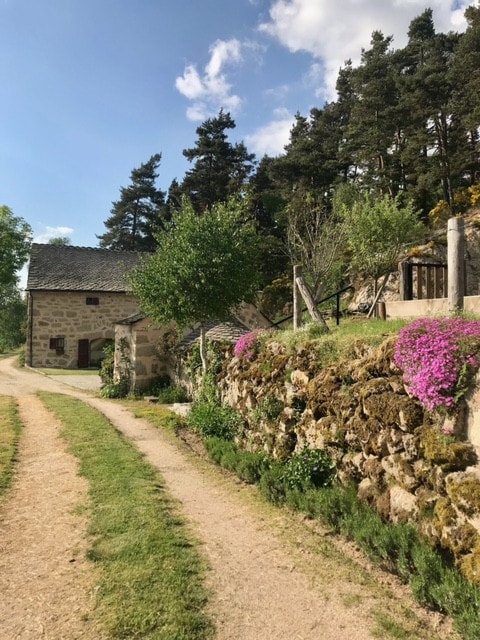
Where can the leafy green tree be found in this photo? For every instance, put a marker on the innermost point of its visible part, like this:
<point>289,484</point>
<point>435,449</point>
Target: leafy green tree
<point>377,232</point>
<point>139,212</point>
<point>15,238</point>
<point>221,169</point>
<point>61,241</point>
<point>203,266</point>
<point>13,317</point>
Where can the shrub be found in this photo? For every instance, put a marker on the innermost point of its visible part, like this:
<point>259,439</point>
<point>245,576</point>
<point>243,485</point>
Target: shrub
<point>438,358</point>
<point>272,484</point>
<point>248,345</point>
<point>172,394</point>
<point>211,419</point>
<point>309,468</point>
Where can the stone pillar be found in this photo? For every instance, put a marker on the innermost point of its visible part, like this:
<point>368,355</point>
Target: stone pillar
<point>456,264</point>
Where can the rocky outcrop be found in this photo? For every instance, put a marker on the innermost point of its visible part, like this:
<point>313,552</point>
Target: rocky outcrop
<point>380,437</point>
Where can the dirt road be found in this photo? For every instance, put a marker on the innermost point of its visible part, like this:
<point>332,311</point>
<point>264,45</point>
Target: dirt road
<point>268,580</point>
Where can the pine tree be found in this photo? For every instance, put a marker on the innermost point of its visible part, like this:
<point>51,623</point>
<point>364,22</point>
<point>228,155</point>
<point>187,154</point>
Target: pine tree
<point>220,169</point>
<point>139,212</point>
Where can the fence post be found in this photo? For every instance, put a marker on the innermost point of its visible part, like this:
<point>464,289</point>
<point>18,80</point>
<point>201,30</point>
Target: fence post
<point>403,268</point>
<point>456,275</point>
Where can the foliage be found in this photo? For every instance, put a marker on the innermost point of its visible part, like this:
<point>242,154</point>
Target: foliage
<point>142,578</point>
<point>309,468</point>
<point>15,236</point>
<point>221,168</point>
<point>212,419</point>
<point>202,268</point>
<point>13,319</point>
<point>172,394</point>
<point>378,231</point>
<point>267,409</point>
<point>248,345</point>
<point>438,358</point>
<point>316,240</point>
<point>61,241</point>
<point>139,212</point>
<point>10,427</point>
<point>112,388</point>
<point>106,368</point>
<point>248,465</point>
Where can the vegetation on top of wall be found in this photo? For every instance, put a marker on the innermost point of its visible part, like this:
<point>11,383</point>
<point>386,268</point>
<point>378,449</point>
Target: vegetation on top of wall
<point>439,357</point>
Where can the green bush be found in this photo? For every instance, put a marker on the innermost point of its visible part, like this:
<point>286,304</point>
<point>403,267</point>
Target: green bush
<point>115,389</point>
<point>172,394</point>
<point>309,468</point>
<point>211,419</point>
<point>272,484</point>
<point>252,466</point>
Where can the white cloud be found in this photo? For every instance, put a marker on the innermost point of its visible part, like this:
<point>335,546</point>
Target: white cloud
<point>272,137</point>
<point>52,232</point>
<point>211,91</point>
<point>333,31</point>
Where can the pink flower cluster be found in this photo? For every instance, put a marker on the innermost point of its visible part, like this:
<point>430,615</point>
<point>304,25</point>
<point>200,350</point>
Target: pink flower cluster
<point>245,346</point>
<point>438,358</point>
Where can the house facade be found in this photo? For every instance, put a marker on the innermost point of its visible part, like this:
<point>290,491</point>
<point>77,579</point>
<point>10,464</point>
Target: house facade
<point>75,297</point>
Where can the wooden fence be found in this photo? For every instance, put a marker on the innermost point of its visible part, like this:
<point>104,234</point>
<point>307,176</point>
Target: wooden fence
<point>423,280</point>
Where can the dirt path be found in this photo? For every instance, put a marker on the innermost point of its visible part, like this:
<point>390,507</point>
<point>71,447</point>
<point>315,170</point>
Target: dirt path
<point>263,588</point>
<point>45,580</point>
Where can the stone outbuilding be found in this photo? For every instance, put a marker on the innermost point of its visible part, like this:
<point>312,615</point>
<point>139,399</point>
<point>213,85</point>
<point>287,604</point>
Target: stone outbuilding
<point>75,296</point>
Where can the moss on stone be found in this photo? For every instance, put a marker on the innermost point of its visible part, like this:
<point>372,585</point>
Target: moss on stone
<point>470,565</point>
<point>441,450</point>
<point>465,495</point>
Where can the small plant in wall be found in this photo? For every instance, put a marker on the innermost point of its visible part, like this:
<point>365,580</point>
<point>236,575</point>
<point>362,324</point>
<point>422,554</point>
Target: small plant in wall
<point>438,358</point>
<point>248,345</point>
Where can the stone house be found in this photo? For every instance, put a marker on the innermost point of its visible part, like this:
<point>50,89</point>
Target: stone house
<point>75,296</point>
<point>145,351</point>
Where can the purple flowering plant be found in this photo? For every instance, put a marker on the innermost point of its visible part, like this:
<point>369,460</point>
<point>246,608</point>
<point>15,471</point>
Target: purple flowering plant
<point>247,345</point>
<point>438,358</point>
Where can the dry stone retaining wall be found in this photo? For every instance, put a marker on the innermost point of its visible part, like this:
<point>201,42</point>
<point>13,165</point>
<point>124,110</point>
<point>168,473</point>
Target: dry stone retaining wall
<point>380,438</point>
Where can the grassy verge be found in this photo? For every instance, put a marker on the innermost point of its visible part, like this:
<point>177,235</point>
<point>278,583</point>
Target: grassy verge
<point>67,372</point>
<point>9,434</point>
<point>150,571</point>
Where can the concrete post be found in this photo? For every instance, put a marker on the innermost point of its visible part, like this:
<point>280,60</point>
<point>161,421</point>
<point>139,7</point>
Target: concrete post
<point>456,264</point>
<point>297,298</point>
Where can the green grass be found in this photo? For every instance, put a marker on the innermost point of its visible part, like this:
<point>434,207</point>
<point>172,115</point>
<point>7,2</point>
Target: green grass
<point>337,344</point>
<point>67,372</point>
<point>150,573</point>
<point>10,427</point>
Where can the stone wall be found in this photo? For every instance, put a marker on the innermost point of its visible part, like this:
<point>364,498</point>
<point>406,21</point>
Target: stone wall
<point>65,314</point>
<point>380,438</point>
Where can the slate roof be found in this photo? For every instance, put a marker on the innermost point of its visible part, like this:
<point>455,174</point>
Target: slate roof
<point>66,268</point>
<point>216,332</point>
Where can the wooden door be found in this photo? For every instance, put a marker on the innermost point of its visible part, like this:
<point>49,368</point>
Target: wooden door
<point>83,353</point>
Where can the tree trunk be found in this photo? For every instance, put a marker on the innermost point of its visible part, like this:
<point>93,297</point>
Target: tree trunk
<point>203,350</point>
<point>307,296</point>
<point>378,294</point>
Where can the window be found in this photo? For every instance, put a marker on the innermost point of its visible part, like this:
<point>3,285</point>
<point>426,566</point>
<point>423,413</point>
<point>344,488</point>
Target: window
<point>93,301</point>
<point>58,344</point>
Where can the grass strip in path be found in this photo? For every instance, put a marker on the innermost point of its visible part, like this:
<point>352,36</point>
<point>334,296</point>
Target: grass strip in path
<point>10,427</point>
<point>151,574</point>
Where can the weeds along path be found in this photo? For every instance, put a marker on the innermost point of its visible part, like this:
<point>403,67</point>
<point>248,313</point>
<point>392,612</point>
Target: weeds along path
<point>46,584</point>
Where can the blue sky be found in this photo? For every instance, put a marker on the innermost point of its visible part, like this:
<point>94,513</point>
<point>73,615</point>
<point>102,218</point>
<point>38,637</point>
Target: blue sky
<point>93,88</point>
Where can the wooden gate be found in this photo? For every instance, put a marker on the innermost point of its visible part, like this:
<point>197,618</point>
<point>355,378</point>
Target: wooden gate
<point>83,353</point>
<point>422,281</point>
